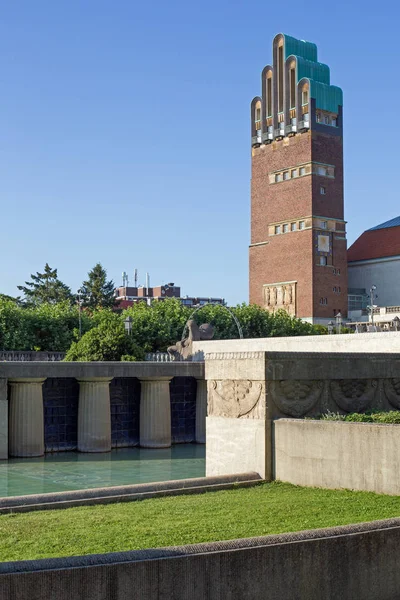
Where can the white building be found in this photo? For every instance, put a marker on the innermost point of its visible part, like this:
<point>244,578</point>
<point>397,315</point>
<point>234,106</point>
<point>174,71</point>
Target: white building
<point>374,259</point>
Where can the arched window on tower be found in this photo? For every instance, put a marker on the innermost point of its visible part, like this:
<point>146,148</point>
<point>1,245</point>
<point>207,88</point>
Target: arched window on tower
<point>269,94</point>
<point>304,94</point>
<point>292,83</point>
<point>257,115</point>
<point>281,67</point>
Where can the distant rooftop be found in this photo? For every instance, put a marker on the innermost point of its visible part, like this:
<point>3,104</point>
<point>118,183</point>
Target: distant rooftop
<point>392,223</point>
<point>380,241</point>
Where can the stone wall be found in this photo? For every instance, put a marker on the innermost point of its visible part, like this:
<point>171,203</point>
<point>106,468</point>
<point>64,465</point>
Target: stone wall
<point>328,454</point>
<point>94,407</point>
<point>249,391</point>
<point>351,562</point>
<point>387,342</point>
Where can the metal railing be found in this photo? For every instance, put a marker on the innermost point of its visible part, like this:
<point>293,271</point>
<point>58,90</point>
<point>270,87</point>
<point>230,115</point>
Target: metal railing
<point>158,357</point>
<point>30,356</point>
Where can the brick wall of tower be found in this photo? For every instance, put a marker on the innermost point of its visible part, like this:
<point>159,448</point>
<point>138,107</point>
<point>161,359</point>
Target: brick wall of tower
<point>286,200</point>
<point>292,256</point>
<point>327,148</point>
<point>285,257</point>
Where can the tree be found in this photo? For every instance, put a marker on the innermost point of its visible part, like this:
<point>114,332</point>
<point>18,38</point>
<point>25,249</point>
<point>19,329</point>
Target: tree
<point>45,288</point>
<point>97,292</point>
<point>107,341</point>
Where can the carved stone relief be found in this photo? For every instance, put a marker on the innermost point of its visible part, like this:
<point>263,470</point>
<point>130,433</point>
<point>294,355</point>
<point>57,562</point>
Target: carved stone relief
<point>353,395</point>
<point>236,399</point>
<point>295,398</point>
<point>392,391</point>
<point>280,296</point>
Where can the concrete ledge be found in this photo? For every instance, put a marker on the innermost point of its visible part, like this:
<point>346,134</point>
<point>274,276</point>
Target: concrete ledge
<point>126,493</point>
<point>355,342</point>
<point>355,561</point>
<point>79,370</point>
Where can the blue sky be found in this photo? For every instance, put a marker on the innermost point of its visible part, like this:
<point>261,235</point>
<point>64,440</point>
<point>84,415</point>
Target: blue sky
<point>124,131</point>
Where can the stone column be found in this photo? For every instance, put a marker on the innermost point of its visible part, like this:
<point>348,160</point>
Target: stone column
<point>238,424</point>
<point>201,411</point>
<point>94,415</point>
<point>155,412</point>
<point>26,420</point>
<point>3,419</point>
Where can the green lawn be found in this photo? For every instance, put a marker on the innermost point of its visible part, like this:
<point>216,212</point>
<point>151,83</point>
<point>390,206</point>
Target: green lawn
<point>264,509</point>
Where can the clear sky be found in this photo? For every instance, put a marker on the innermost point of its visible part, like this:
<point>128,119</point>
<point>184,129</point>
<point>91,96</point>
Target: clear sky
<point>125,136</point>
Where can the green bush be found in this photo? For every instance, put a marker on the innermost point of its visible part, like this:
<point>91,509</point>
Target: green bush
<point>55,327</point>
<point>391,417</point>
<point>107,341</point>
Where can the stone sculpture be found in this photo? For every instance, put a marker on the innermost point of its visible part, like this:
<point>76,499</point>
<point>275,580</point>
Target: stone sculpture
<point>280,296</point>
<point>183,350</point>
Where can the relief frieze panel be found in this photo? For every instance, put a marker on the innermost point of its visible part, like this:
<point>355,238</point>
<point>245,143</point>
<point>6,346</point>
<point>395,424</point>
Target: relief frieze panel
<point>353,395</point>
<point>236,399</point>
<point>392,391</point>
<point>295,398</point>
<point>280,296</point>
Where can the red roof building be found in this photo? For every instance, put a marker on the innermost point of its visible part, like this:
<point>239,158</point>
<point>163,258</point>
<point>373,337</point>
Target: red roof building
<point>374,259</point>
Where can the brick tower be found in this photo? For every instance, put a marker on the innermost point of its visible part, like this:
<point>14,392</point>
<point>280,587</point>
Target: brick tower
<point>298,235</point>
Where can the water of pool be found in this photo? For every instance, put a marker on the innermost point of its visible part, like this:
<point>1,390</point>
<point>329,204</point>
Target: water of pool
<point>65,471</point>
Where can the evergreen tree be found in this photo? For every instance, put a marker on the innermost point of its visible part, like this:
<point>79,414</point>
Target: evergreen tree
<point>97,292</point>
<point>45,288</point>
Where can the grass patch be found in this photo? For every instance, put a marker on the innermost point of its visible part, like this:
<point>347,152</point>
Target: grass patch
<point>265,509</point>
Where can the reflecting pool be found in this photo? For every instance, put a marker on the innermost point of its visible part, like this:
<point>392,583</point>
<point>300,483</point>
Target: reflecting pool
<point>65,471</point>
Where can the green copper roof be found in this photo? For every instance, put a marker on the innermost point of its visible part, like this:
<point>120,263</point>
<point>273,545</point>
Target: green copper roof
<point>327,97</point>
<point>313,70</point>
<point>307,50</point>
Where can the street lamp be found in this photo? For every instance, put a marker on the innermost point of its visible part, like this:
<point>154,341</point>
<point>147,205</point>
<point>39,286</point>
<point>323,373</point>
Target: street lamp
<point>330,327</point>
<point>372,297</point>
<point>128,325</point>
<point>339,322</point>
<point>396,322</point>
<point>79,310</point>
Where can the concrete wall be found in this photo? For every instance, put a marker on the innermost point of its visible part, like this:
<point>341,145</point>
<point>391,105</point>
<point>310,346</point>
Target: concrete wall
<point>247,391</point>
<point>235,446</point>
<point>351,563</point>
<point>328,454</point>
<point>384,273</point>
<point>371,342</point>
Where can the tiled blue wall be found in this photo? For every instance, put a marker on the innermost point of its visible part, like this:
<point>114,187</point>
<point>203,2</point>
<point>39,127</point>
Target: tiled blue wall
<point>60,397</point>
<point>183,409</point>
<point>125,408</point>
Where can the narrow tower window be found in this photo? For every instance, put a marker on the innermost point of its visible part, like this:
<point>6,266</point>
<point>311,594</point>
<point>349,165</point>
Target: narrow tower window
<point>292,87</point>
<point>257,115</point>
<point>269,96</point>
<point>280,78</point>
